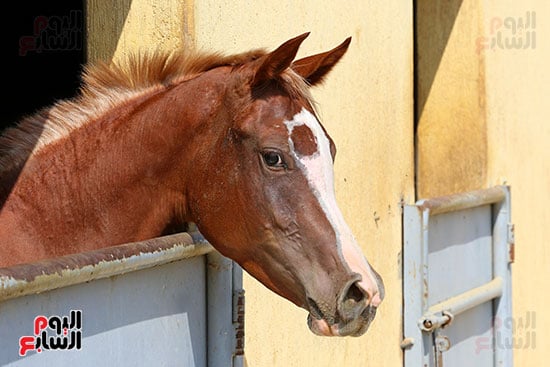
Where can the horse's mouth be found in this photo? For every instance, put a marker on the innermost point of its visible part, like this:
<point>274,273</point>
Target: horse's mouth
<point>355,327</point>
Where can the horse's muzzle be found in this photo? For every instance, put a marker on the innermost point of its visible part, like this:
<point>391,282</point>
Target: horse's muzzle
<point>355,327</point>
<point>355,311</point>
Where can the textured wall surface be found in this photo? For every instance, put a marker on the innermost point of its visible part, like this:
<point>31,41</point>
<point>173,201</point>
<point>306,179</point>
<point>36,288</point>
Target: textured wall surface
<point>518,132</point>
<point>481,119</point>
<point>450,108</point>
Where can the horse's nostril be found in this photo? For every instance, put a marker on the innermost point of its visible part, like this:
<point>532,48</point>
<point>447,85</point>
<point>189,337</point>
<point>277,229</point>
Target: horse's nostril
<point>352,303</point>
<point>355,294</point>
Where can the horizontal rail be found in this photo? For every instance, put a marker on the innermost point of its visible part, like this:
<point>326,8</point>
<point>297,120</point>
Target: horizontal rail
<point>444,204</point>
<point>21,280</point>
<point>442,313</point>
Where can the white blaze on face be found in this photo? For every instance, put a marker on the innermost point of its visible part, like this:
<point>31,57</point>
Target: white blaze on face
<point>319,172</point>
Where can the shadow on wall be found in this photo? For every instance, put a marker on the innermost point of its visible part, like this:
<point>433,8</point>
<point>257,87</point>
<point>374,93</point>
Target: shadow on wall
<point>429,46</point>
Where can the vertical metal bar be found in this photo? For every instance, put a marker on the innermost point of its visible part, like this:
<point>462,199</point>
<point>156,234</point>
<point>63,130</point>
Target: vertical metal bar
<point>501,268</point>
<point>426,339</point>
<point>412,284</point>
<point>219,293</point>
<point>425,252</point>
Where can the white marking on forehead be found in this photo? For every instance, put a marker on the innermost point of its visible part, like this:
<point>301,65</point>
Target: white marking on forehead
<point>318,166</point>
<point>319,172</point>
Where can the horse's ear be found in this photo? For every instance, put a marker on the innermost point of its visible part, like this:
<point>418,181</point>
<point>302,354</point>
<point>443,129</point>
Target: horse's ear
<point>277,61</point>
<point>314,68</point>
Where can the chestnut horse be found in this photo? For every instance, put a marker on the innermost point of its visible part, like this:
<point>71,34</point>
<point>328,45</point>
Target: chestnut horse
<point>231,143</point>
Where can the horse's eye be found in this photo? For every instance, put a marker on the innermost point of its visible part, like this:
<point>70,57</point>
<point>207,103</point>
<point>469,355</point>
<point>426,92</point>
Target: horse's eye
<point>274,159</point>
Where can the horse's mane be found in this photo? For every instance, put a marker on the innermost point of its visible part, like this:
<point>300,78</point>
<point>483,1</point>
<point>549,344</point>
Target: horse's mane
<point>106,85</point>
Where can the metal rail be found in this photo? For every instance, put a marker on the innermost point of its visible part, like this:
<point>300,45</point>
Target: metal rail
<point>442,313</point>
<point>21,280</point>
<point>463,201</point>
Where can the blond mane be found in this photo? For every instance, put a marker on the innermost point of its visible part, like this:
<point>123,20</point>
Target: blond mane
<point>105,86</point>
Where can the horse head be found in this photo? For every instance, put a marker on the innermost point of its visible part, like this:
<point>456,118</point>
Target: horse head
<point>267,196</point>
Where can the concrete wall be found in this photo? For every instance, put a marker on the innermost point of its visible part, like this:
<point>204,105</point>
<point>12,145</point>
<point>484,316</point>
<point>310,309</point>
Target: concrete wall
<point>482,118</point>
<point>481,115</point>
<point>518,131</point>
<point>451,143</point>
<point>367,107</point>
<point>115,29</point>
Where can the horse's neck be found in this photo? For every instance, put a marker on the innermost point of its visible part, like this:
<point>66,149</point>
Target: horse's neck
<point>119,179</point>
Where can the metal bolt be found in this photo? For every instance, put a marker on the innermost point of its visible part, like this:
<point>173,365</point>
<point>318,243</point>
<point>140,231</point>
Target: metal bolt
<point>427,324</point>
<point>407,343</point>
<point>442,343</point>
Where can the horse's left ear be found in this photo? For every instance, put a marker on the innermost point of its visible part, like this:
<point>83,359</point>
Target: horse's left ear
<point>276,62</point>
<point>314,68</point>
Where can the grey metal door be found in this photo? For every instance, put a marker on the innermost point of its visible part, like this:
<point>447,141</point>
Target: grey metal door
<point>171,301</point>
<point>457,284</point>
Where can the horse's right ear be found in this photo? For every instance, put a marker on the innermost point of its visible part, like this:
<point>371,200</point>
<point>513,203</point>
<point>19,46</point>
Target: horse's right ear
<point>314,68</point>
<point>277,61</point>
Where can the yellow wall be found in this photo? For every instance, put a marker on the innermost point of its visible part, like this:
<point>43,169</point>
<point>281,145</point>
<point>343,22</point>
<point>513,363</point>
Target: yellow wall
<point>518,130</point>
<point>451,132</point>
<point>117,28</point>
<point>366,105</point>
<point>483,120</point>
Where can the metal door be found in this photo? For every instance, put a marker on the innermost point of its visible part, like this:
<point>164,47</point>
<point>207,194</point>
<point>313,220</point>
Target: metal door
<point>171,301</point>
<point>457,285</point>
